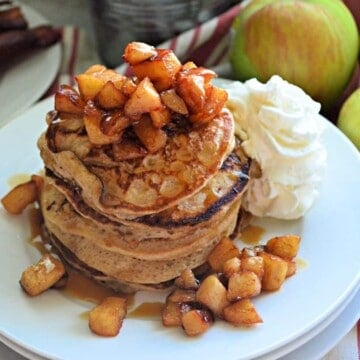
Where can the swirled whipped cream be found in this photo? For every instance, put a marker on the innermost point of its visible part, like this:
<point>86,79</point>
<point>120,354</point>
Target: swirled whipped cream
<point>282,130</point>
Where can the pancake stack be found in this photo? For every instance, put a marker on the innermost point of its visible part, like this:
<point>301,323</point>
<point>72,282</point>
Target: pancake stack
<point>125,213</point>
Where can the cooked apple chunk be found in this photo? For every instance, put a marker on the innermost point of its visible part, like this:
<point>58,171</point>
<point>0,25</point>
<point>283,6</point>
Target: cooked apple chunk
<point>18,198</point>
<point>96,70</point>
<point>188,65</point>
<point>182,296</point>
<point>68,100</point>
<point>254,264</point>
<point>161,69</point>
<point>42,276</point>
<point>143,100</point>
<point>197,321</point>
<point>92,81</point>
<point>214,101</point>
<point>212,294</point>
<point>110,97</point>
<point>128,86</point>
<point>174,102</point>
<point>231,266</point>
<point>275,270</point>
<point>242,313</point>
<point>92,120</point>
<point>160,117</point>
<point>172,313</point>
<point>106,318</point>
<point>89,86</point>
<point>137,52</point>
<point>187,280</point>
<point>222,252</point>
<point>191,88</point>
<point>292,268</point>
<point>285,246</point>
<point>150,136</point>
<point>113,123</point>
<point>105,74</point>
<point>242,285</point>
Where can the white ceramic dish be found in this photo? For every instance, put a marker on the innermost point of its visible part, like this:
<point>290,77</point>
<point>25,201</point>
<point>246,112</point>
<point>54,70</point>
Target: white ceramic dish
<point>320,345</point>
<point>23,83</point>
<point>330,246</point>
<point>315,348</point>
<point>319,340</point>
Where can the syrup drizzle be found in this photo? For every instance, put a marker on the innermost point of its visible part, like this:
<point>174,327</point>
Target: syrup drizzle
<point>147,310</point>
<point>252,234</point>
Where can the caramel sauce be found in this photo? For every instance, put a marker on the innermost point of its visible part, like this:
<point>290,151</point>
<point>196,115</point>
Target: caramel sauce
<point>147,310</point>
<point>35,221</point>
<point>84,315</point>
<point>252,234</point>
<point>301,264</point>
<point>17,179</point>
<point>38,245</point>
<point>80,287</point>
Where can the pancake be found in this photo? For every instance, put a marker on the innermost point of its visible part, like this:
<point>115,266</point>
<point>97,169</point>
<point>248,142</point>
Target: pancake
<point>98,276</point>
<point>159,236</point>
<point>141,182</point>
<point>137,186</point>
<point>97,248</point>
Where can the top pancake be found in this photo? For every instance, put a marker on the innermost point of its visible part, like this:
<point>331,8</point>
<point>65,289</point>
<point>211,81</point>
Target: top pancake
<point>140,186</point>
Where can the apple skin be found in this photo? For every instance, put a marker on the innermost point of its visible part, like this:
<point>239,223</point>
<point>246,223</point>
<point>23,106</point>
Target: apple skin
<point>313,44</point>
<point>349,118</point>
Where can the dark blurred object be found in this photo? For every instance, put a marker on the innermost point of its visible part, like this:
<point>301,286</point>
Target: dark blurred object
<point>353,84</point>
<point>118,22</point>
<point>17,43</point>
<point>12,19</point>
<point>354,7</point>
<point>5,2</point>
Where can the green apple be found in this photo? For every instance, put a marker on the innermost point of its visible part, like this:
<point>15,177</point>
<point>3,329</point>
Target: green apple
<point>349,118</point>
<point>311,43</point>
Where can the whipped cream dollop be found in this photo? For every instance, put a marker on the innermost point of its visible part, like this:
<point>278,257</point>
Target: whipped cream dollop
<point>281,129</point>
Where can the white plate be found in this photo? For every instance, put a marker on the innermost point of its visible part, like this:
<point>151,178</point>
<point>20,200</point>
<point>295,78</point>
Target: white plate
<point>315,348</point>
<point>319,340</point>
<point>325,341</point>
<point>330,246</point>
<point>27,80</point>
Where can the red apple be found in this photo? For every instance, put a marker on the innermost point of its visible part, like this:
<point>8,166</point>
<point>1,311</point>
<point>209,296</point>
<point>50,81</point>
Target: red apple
<point>311,43</point>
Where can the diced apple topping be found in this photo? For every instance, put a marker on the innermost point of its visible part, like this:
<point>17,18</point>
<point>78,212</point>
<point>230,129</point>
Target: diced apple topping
<point>93,118</point>
<point>137,52</point>
<point>110,97</point>
<point>174,102</point>
<point>162,89</point>
<point>162,69</point>
<point>227,288</point>
<point>68,100</point>
<point>143,100</point>
<point>152,137</point>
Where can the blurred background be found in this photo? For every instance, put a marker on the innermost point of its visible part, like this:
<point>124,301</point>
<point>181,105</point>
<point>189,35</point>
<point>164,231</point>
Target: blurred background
<point>114,23</point>
<point>110,24</point>
<point>65,12</point>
